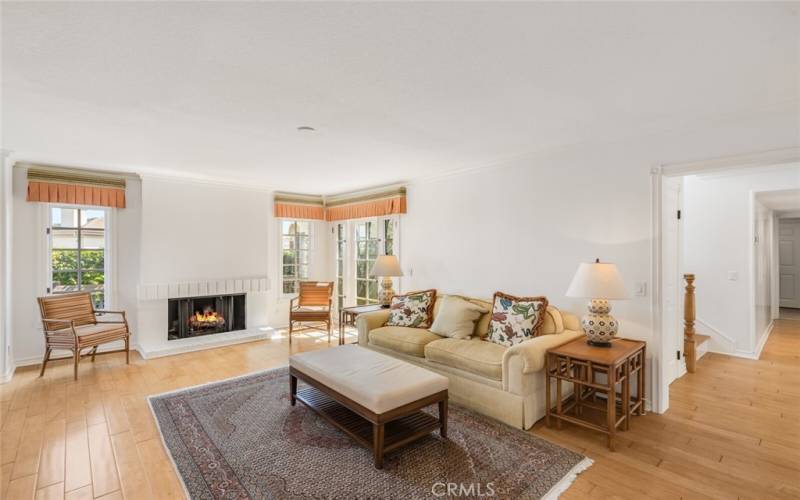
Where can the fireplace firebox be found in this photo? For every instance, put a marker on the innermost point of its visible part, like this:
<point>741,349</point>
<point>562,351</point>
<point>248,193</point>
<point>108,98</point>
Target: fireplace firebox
<point>196,316</point>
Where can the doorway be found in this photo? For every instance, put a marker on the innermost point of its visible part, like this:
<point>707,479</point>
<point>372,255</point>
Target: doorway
<point>789,267</point>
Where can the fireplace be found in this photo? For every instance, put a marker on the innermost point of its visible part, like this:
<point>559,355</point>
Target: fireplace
<point>195,316</point>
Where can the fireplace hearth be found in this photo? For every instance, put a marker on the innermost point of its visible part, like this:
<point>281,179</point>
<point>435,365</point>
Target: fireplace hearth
<point>195,316</point>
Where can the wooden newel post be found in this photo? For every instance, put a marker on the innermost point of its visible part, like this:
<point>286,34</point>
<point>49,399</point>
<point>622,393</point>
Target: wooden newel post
<point>689,352</point>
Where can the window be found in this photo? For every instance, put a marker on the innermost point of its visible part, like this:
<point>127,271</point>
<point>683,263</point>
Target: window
<point>388,237</point>
<point>295,243</point>
<point>366,251</point>
<point>78,252</point>
<point>341,242</point>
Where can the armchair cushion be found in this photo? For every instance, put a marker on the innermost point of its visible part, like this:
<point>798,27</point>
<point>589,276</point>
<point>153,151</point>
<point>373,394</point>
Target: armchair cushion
<point>96,334</point>
<point>402,339</point>
<point>475,356</point>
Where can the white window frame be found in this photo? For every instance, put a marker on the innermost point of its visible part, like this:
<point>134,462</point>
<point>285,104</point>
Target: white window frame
<point>311,249</point>
<point>109,257</point>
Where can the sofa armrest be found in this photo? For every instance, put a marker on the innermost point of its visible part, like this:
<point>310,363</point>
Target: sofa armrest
<point>370,321</point>
<point>528,357</point>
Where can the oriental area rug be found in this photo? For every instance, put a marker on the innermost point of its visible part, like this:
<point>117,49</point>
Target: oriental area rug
<point>240,438</point>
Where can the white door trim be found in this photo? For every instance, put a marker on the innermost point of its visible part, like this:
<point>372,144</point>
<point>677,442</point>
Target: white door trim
<point>662,347</point>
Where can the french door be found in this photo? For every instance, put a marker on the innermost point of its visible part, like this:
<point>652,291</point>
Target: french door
<point>358,243</point>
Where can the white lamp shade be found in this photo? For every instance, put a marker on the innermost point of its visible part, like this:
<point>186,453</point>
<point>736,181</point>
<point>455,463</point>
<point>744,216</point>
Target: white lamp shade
<point>386,265</point>
<point>597,280</point>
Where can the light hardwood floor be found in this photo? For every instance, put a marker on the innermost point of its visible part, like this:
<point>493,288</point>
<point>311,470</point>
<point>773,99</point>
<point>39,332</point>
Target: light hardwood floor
<point>733,429</point>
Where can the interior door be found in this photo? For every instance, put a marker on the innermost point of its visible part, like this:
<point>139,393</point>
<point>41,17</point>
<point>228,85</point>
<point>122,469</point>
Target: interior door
<point>789,262</point>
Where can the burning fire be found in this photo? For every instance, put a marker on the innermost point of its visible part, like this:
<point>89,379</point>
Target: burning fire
<point>206,319</point>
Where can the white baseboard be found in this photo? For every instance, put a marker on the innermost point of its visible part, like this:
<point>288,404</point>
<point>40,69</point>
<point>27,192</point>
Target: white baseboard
<point>9,374</point>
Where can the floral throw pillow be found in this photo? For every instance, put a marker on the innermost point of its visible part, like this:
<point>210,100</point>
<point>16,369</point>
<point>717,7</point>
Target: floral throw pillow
<point>414,309</point>
<point>516,319</point>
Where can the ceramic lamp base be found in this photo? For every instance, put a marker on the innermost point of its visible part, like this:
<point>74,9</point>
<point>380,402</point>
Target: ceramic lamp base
<point>386,293</point>
<point>599,326</point>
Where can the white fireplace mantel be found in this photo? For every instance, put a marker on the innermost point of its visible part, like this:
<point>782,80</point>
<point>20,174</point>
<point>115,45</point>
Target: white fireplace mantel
<point>163,291</point>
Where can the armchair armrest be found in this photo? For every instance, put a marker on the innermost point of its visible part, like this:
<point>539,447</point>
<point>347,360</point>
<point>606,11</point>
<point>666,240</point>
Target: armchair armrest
<point>123,321</point>
<point>65,323</point>
<point>528,357</point>
<point>370,321</point>
<point>291,303</point>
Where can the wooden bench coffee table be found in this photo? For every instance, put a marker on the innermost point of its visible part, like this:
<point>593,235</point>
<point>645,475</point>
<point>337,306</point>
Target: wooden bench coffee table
<point>375,399</point>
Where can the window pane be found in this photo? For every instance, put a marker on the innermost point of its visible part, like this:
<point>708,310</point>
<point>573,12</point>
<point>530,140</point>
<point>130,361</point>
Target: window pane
<point>302,256</point>
<point>361,250</point>
<point>361,269</point>
<point>92,280</point>
<point>289,272</point>
<point>388,231</point>
<point>65,238</point>
<point>372,228</point>
<point>340,250</point>
<point>99,299</point>
<point>340,231</point>
<point>93,259</point>
<point>361,231</point>
<point>65,282</point>
<point>288,243</point>
<point>372,249</point>
<point>304,242</point>
<point>288,286</point>
<point>361,302</point>
<point>372,288</point>
<point>289,257</point>
<point>93,238</point>
<point>303,227</point>
<point>64,260</point>
<point>64,217</point>
<point>287,227</point>
<point>361,288</point>
<point>93,219</point>
<point>303,271</point>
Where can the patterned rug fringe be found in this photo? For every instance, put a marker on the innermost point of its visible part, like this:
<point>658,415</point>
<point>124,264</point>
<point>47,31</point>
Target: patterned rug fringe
<point>562,486</point>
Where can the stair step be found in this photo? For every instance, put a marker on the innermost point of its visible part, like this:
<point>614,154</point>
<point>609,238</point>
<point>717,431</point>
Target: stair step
<point>701,339</point>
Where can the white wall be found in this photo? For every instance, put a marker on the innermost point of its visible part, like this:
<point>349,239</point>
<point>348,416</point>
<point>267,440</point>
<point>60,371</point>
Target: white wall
<point>524,225</point>
<point>6,224</point>
<point>720,217</point>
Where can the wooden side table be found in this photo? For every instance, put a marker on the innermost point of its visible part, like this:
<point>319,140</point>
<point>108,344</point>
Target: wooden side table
<point>579,363</point>
<point>348,315</point>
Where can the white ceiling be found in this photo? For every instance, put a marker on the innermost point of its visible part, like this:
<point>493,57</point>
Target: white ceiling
<point>397,91</point>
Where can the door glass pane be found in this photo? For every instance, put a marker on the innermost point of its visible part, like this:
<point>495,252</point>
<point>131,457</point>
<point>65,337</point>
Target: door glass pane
<point>372,229</point>
<point>289,257</point>
<point>99,299</point>
<point>64,260</point>
<point>372,249</point>
<point>373,289</point>
<point>64,238</point>
<point>388,231</point>
<point>93,219</point>
<point>303,227</point>
<point>64,217</point>
<point>361,288</point>
<point>65,281</point>
<point>303,272</point>
<point>289,272</point>
<point>302,256</point>
<point>93,259</point>
<point>288,286</point>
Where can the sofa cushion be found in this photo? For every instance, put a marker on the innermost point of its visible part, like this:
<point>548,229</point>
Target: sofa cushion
<point>402,339</point>
<point>413,309</point>
<point>553,321</point>
<point>475,356</point>
<point>456,317</point>
<point>516,319</point>
<point>482,324</point>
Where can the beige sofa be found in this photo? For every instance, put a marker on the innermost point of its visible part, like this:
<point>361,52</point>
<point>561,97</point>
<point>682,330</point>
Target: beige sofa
<point>506,383</point>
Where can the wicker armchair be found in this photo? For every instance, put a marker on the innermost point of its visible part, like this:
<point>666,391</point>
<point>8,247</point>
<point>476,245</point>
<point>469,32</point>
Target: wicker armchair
<point>70,322</point>
<point>313,305</point>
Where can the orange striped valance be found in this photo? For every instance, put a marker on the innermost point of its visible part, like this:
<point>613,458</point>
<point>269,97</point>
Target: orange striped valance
<point>79,187</point>
<point>299,206</point>
<point>379,203</point>
<point>375,203</point>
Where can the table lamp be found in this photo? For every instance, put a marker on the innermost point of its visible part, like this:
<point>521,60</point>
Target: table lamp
<point>386,266</point>
<point>600,282</point>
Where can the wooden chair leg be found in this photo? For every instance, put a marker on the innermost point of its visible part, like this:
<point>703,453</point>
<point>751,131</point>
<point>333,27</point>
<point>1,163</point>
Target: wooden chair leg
<point>77,355</point>
<point>44,361</point>
<point>127,350</point>
<point>329,330</point>
<point>94,351</point>
<point>291,323</point>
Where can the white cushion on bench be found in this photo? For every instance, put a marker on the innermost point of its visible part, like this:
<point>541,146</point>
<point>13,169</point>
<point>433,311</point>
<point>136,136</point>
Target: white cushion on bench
<point>373,380</point>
